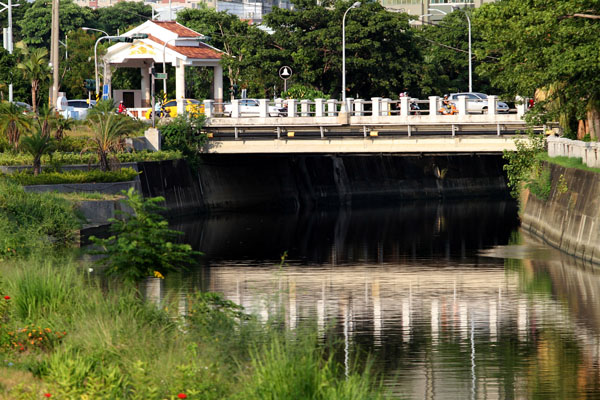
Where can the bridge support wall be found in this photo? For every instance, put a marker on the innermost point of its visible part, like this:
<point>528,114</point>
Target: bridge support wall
<point>227,182</point>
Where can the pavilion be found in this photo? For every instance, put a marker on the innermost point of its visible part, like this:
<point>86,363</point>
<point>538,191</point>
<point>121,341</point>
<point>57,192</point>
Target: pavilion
<point>168,42</point>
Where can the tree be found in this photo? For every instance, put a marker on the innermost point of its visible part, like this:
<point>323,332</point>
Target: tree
<point>13,122</point>
<point>445,65</point>
<point>243,44</point>
<point>120,16</point>
<point>9,74</point>
<point>542,45</point>
<point>108,131</point>
<point>80,64</point>
<point>381,56</point>
<point>37,144</point>
<point>34,66</point>
<point>141,243</point>
<point>37,20</point>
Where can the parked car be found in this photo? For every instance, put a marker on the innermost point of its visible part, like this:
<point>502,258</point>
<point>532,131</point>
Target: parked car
<point>192,106</point>
<point>26,107</point>
<point>249,107</point>
<point>477,102</point>
<point>78,108</point>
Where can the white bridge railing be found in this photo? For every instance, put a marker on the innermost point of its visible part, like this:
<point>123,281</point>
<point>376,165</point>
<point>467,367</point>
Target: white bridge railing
<point>377,107</point>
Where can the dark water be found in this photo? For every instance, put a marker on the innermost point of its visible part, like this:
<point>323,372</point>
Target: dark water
<point>452,301</point>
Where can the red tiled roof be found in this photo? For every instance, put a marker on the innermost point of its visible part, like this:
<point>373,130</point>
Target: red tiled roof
<point>202,51</point>
<point>177,28</point>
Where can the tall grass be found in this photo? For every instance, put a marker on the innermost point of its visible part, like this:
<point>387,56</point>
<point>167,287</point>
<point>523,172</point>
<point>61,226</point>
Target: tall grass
<point>118,346</point>
<point>32,221</point>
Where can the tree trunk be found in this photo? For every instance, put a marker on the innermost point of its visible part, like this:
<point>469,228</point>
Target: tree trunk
<point>34,89</point>
<point>103,159</point>
<point>593,119</point>
<point>37,165</point>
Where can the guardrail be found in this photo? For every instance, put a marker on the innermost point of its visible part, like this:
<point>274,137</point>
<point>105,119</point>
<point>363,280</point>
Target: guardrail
<point>589,152</point>
<point>376,107</point>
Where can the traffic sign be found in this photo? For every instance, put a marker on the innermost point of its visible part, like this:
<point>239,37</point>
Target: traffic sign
<point>161,75</point>
<point>285,72</point>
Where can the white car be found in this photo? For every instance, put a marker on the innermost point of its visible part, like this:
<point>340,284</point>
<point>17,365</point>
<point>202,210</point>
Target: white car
<point>78,109</point>
<point>477,102</point>
<point>249,107</point>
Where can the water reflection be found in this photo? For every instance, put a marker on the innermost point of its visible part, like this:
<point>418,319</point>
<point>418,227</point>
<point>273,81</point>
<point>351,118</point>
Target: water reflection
<point>428,289</point>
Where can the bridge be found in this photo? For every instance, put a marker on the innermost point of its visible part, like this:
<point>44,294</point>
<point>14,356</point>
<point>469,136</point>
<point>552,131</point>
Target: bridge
<point>359,126</point>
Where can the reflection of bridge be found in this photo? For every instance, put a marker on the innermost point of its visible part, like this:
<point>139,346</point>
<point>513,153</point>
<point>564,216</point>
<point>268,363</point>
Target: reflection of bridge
<point>376,126</point>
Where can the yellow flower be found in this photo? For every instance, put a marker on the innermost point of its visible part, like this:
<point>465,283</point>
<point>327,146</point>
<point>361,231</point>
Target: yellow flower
<point>158,275</point>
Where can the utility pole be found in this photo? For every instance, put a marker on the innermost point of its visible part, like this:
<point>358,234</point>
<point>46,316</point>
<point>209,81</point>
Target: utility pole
<point>8,39</point>
<point>54,43</point>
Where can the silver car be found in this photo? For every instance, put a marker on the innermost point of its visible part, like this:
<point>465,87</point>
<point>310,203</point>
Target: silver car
<point>478,103</point>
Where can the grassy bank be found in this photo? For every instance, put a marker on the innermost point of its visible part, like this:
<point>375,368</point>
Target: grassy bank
<point>68,332</point>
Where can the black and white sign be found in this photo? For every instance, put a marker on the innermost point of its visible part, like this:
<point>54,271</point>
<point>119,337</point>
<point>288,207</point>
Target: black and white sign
<point>285,72</point>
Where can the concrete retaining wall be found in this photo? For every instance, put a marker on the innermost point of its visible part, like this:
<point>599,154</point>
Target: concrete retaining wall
<point>569,221</point>
<point>227,182</point>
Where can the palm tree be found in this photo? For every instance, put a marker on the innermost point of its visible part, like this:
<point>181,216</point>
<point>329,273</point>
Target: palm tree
<point>34,66</point>
<point>108,132</point>
<point>13,122</point>
<point>63,124</point>
<point>37,144</point>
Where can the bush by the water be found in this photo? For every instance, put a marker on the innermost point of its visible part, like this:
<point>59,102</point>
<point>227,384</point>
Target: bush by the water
<point>65,158</point>
<point>74,176</point>
<point>33,221</point>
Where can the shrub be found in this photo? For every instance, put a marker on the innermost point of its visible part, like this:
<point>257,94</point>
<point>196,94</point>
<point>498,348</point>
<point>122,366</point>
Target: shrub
<point>63,158</point>
<point>142,243</point>
<point>74,176</point>
<point>184,134</point>
<point>521,162</point>
<point>31,220</point>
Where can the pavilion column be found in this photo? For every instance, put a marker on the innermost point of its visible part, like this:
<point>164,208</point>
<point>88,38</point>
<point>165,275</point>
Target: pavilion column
<point>218,84</point>
<point>146,100</point>
<point>180,86</point>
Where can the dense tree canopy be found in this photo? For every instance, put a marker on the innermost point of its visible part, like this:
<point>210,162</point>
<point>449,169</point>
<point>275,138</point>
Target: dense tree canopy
<point>544,45</point>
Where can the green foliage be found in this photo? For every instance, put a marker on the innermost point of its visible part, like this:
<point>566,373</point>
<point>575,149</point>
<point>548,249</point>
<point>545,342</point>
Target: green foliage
<point>33,65</point>
<point>80,64</point>
<point>286,369</point>
<point>142,243</point>
<point>184,134</point>
<point>73,176</point>
<point>211,313</point>
<point>37,144</point>
<point>300,92</point>
<point>121,16</point>
<point>521,162</point>
<point>31,221</point>
<point>542,45</point>
<point>13,123</point>
<point>62,158</point>
<point>37,20</point>
<point>568,162</point>
<point>108,132</point>
<point>539,183</point>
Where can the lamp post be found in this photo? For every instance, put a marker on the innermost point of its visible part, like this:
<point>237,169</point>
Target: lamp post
<point>128,39</point>
<point>455,8</point>
<point>355,5</point>
<point>470,58</point>
<point>165,67</point>
<point>85,28</point>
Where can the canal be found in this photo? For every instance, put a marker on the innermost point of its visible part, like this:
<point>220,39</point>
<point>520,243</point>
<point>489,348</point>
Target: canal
<point>451,300</point>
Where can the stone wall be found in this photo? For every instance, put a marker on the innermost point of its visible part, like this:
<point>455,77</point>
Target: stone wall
<point>569,221</point>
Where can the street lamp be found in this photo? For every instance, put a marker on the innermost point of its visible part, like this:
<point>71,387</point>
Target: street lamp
<point>128,39</point>
<point>455,8</point>
<point>85,28</point>
<point>355,5</point>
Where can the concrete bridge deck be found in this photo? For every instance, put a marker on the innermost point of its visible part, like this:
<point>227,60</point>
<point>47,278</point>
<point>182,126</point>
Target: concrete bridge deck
<point>312,128</point>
